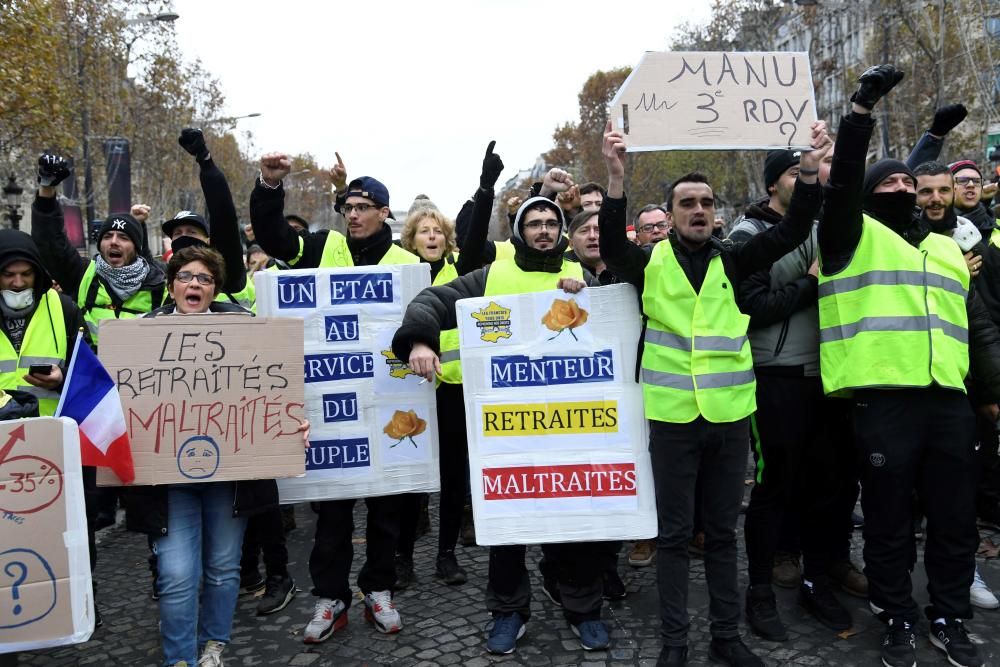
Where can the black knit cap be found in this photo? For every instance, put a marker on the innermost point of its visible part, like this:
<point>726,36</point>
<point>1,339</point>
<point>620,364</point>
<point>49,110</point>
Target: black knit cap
<point>778,162</point>
<point>881,170</point>
<point>123,222</point>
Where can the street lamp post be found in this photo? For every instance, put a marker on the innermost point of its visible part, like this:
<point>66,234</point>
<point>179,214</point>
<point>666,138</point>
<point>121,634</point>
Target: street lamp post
<point>12,194</point>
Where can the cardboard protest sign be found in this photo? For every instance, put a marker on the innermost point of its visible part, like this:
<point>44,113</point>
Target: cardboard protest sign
<point>704,100</point>
<point>207,398</point>
<point>46,596</point>
<point>557,435</point>
<point>373,421</point>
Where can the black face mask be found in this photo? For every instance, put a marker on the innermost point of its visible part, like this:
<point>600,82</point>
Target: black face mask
<point>894,209</point>
<point>185,241</point>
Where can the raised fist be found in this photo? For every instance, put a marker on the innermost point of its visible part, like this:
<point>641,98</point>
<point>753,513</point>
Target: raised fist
<point>556,180</point>
<point>52,170</point>
<point>274,167</point>
<point>193,141</point>
<point>140,212</point>
<point>875,83</point>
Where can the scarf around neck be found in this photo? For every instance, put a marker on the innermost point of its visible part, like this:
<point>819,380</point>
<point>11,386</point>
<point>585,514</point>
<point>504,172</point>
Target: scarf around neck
<point>124,280</point>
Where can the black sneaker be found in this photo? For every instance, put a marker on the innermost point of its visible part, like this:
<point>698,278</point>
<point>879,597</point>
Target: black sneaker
<point>251,583</point>
<point>899,644</point>
<point>404,574</point>
<point>952,638</point>
<point>673,656</point>
<point>819,600</point>
<point>550,586</point>
<point>762,614</point>
<point>733,652</point>
<point>278,592</point>
<point>614,587</point>
<point>448,570</point>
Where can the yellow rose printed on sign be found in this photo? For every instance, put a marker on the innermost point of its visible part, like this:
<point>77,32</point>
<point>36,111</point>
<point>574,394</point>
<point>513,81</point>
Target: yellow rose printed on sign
<point>536,419</point>
<point>404,425</point>
<point>564,315</point>
<point>397,368</point>
<point>493,321</point>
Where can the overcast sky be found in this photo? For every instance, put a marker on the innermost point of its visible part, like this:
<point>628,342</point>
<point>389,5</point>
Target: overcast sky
<point>412,92</point>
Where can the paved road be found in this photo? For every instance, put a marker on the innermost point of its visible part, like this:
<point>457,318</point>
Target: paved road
<point>445,625</point>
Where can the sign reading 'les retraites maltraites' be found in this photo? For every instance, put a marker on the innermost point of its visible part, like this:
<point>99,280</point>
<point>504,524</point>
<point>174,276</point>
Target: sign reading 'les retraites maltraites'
<point>557,436</point>
<point>373,423</point>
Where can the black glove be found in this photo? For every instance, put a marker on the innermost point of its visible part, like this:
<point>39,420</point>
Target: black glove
<point>193,141</point>
<point>492,166</point>
<point>52,170</point>
<point>875,83</point>
<point>947,118</point>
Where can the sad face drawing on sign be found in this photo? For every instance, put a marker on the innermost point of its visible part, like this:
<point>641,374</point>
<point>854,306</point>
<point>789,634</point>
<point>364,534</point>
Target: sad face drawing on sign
<point>198,457</point>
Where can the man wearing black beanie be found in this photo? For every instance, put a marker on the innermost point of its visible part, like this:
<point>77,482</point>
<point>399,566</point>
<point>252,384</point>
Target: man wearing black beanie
<point>900,326</point>
<point>119,282</point>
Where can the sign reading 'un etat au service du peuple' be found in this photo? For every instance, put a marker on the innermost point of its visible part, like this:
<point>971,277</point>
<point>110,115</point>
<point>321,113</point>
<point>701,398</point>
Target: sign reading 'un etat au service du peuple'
<point>557,436</point>
<point>706,100</point>
<point>208,397</point>
<point>45,581</point>
<point>373,421</point>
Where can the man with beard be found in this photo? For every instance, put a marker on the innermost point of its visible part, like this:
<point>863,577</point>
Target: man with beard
<point>796,432</point>
<point>900,325</point>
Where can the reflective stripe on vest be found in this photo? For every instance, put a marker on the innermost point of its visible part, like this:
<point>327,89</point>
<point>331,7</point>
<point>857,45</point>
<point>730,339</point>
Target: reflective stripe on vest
<point>100,306</point>
<point>895,316</point>
<point>451,359</point>
<point>43,338</point>
<point>696,356</point>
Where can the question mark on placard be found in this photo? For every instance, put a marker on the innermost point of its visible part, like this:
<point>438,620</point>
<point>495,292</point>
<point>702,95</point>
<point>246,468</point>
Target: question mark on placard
<point>18,580</point>
<point>781,128</point>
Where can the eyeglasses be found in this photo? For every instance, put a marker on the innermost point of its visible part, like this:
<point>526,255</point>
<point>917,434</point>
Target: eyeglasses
<point>202,278</point>
<point>538,224</point>
<point>659,226</point>
<point>968,180</point>
<point>360,208</point>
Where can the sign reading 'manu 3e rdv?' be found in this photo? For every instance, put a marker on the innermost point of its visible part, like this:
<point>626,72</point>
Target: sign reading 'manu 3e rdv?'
<point>557,437</point>
<point>45,584</point>
<point>373,421</point>
<point>705,100</point>
<point>208,397</point>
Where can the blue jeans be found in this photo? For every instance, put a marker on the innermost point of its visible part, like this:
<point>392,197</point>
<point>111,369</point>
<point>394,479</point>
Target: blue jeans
<point>202,547</point>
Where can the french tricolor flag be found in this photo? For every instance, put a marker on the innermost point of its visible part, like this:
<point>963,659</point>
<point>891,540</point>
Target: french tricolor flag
<point>90,398</point>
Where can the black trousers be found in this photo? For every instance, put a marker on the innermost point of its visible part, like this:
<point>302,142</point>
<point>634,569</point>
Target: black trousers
<point>803,448</point>
<point>988,489</point>
<point>265,534</point>
<point>919,439</point>
<point>578,567</point>
<point>454,466</point>
<point>333,552</point>
<point>683,454</point>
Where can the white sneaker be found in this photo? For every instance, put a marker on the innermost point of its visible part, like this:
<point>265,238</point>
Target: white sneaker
<point>328,617</point>
<point>980,595</point>
<point>381,612</point>
<point>211,655</point>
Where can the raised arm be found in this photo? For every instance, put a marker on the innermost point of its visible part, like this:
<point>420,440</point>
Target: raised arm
<point>929,145</point>
<point>267,217</point>
<point>624,259</point>
<point>60,258</point>
<point>473,245</point>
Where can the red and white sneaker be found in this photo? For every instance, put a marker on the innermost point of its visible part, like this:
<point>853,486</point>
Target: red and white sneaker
<point>381,612</point>
<point>328,617</point>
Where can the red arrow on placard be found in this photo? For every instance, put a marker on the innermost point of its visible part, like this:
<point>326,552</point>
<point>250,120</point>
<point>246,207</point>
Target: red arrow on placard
<point>14,436</point>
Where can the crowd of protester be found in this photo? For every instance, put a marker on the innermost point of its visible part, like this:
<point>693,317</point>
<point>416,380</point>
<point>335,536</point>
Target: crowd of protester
<point>849,318</point>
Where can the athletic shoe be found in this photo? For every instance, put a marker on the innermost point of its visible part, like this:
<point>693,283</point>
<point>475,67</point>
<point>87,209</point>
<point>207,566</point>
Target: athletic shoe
<point>211,655</point>
<point>252,583</point>
<point>614,587</point>
<point>673,656</point>
<point>878,612</point>
<point>820,601</point>
<point>642,554</point>
<point>328,617</point>
<point>899,644</point>
<point>733,652</point>
<point>278,592</point>
<point>787,572</point>
<point>952,638</point>
<point>550,586</point>
<point>448,570</point>
<point>980,594</point>
<point>506,630</point>
<point>593,635</point>
<point>846,576</point>
<point>381,612</point>
<point>762,613</point>
<point>857,520</point>
<point>405,577</point>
